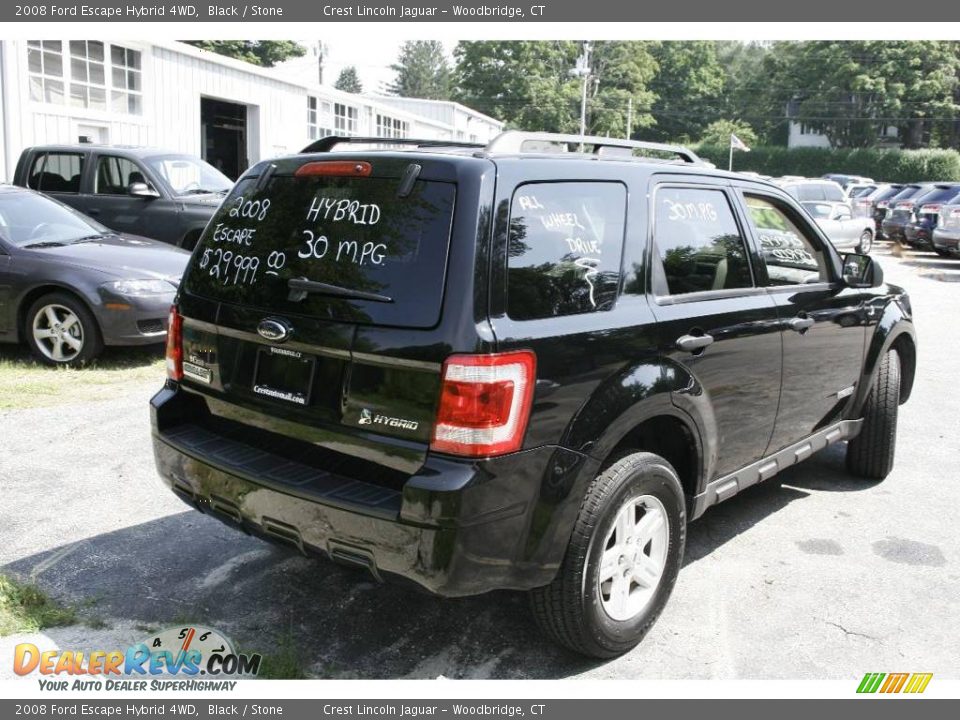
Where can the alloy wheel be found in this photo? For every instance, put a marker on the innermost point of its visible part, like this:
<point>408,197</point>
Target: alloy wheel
<point>58,333</point>
<point>634,557</point>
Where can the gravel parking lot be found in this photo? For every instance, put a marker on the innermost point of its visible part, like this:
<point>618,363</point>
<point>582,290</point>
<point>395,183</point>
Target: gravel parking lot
<point>811,575</point>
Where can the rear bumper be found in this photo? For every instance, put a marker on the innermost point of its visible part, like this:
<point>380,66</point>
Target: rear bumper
<point>917,234</point>
<point>892,230</point>
<point>455,528</point>
<point>946,240</point>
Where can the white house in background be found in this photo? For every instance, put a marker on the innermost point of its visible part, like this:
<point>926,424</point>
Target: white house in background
<point>802,135</point>
<point>172,95</point>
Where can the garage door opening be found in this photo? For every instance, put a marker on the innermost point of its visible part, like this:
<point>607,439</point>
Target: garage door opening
<point>223,141</point>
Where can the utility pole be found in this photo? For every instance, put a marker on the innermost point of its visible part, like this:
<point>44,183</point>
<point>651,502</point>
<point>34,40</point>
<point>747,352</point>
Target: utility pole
<point>582,70</point>
<point>629,117</point>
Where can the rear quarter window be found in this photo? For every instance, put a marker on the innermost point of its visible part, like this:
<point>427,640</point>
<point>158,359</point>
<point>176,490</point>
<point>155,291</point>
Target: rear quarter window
<point>565,248</point>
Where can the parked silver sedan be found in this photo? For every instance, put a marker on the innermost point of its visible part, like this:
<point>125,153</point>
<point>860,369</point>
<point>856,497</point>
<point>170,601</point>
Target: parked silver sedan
<point>845,231</point>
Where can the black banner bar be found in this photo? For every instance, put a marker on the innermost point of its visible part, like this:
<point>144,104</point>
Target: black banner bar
<point>526,11</point>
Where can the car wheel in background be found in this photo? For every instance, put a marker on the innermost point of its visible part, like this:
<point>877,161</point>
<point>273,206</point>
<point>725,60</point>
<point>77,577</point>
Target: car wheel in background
<point>622,560</point>
<point>60,330</point>
<point>870,454</point>
<point>866,243</point>
<point>941,252</point>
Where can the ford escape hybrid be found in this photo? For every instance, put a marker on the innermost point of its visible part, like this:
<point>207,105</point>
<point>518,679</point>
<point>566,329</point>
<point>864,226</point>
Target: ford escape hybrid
<point>522,366</point>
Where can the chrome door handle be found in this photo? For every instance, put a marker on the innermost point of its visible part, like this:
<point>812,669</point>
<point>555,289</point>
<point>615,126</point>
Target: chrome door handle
<point>800,324</point>
<point>692,343</point>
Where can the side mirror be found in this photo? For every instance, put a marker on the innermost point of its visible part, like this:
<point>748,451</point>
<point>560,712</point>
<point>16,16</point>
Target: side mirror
<point>861,271</point>
<point>142,190</point>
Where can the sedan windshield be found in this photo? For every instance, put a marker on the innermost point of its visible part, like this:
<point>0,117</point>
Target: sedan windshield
<point>819,210</point>
<point>31,220</point>
<point>188,175</point>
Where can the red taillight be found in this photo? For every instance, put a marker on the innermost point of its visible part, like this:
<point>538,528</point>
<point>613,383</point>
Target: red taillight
<point>484,403</point>
<point>334,168</point>
<point>905,204</point>
<point>175,345</point>
<point>929,208</point>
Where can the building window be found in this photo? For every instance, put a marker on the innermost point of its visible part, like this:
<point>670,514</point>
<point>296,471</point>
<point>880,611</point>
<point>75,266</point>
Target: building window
<point>85,75</point>
<point>388,127</point>
<point>45,62</point>
<point>344,119</point>
<point>318,119</point>
<point>88,85</point>
<point>127,93</point>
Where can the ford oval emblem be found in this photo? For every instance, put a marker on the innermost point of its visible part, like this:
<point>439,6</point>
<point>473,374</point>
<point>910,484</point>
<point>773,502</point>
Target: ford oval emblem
<point>274,330</point>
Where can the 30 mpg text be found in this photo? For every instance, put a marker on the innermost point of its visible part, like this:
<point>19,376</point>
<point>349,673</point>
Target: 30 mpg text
<point>134,11</point>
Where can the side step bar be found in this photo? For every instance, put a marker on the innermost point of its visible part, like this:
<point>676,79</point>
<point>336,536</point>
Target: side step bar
<point>727,486</point>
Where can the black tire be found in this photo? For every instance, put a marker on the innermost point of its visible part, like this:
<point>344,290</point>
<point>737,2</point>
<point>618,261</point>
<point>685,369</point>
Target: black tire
<point>870,454</point>
<point>570,609</point>
<point>866,243</point>
<point>88,335</point>
<point>941,252</point>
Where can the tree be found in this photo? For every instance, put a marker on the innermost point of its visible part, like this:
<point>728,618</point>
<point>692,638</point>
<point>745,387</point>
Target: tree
<point>349,81</point>
<point>256,52</point>
<point>719,131</point>
<point>422,71</point>
<point>528,84</point>
<point>852,91</point>
<point>689,86</point>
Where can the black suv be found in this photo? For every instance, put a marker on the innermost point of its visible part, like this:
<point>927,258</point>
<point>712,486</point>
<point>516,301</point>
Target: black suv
<point>159,194</point>
<point>480,368</point>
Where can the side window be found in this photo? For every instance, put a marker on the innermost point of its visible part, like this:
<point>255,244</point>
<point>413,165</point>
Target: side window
<point>565,246</point>
<point>809,192</point>
<point>116,174</point>
<point>832,193</point>
<point>698,241</point>
<point>790,256</point>
<point>56,172</point>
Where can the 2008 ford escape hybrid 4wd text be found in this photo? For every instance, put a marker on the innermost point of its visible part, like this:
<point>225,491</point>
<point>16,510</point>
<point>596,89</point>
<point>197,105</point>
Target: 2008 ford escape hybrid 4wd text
<point>522,366</point>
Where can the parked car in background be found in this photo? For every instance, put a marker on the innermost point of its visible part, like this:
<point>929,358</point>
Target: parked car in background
<point>845,181</point>
<point>150,192</point>
<point>946,235</point>
<point>900,208</point>
<point>869,204</point>
<point>855,190</point>
<point>812,189</point>
<point>846,232</point>
<point>918,232</point>
<point>69,285</point>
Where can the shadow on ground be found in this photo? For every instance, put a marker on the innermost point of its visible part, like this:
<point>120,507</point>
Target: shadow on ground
<point>190,568</point>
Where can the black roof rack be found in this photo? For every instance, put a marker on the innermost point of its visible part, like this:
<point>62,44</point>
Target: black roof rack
<point>328,143</point>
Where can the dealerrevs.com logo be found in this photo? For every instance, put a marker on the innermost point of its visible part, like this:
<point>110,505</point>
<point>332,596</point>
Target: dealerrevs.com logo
<point>887,683</point>
<point>180,658</point>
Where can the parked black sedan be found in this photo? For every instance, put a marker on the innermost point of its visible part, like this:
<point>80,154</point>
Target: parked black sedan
<point>69,286</point>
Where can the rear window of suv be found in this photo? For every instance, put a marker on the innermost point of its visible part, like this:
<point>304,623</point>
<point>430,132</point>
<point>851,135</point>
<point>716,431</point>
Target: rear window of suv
<point>353,233</point>
<point>565,247</point>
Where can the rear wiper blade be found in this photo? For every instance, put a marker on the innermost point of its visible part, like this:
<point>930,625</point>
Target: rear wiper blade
<point>301,287</point>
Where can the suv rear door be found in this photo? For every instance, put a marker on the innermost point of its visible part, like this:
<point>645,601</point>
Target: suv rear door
<point>822,319</point>
<point>358,372</point>
<point>713,318</point>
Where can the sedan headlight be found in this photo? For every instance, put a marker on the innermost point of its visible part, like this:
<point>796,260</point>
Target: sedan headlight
<point>141,287</point>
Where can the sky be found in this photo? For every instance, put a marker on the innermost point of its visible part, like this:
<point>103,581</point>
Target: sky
<point>372,61</point>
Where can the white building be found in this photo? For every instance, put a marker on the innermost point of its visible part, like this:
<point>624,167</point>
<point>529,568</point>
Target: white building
<point>802,135</point>
<point>171,95</point>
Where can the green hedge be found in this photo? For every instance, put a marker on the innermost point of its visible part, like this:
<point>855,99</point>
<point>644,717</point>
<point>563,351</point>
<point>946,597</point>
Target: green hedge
<point>885,165</point>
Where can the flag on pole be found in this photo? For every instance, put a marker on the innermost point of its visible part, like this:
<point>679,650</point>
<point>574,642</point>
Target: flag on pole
<point>738,144</point>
